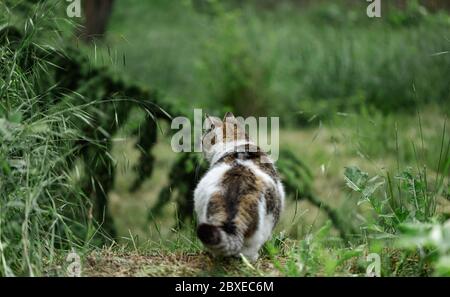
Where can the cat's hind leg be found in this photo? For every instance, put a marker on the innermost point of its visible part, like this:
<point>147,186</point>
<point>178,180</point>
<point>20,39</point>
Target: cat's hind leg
<point>251,254</point>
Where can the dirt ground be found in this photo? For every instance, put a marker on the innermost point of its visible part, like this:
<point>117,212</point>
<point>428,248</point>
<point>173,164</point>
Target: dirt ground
<point>109,263</point>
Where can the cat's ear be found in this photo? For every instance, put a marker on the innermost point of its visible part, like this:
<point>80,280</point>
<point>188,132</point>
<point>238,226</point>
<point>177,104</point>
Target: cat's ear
<point>208,121</point>
<point>211,122</point>
<point>228,115</point>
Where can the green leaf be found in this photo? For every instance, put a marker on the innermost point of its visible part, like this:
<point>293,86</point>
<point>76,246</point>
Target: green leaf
<point>371,188</point>
<point>355,178</point>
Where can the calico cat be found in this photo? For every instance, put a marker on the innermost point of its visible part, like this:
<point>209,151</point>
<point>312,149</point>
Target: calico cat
<point>239,200</point>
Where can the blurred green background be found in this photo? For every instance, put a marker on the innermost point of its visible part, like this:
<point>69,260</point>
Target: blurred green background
<point>287,58</point>
<point>85,132</point>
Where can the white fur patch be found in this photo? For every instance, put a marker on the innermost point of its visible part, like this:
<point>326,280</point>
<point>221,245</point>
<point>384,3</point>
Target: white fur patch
<point>210,184</point>
<point>253,244</point>
<point>207,186</point>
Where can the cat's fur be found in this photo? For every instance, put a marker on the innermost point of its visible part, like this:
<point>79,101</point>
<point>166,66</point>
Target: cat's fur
<point>239,200</point>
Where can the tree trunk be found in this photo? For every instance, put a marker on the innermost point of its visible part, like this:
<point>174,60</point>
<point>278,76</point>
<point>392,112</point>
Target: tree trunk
<point>97,13</point>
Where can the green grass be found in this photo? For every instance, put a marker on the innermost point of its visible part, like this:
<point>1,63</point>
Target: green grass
<point>340,83</point>
<point>42,209</point>
<point>35,193</point>
<point>328,149</point>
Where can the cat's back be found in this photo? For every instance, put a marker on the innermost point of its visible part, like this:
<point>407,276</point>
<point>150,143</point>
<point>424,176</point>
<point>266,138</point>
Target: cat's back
<point>237,185</point>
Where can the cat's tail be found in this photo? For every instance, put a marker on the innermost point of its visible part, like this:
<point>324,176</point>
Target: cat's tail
<point>219,240</point>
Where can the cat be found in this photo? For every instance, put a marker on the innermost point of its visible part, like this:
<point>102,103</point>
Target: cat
<point>239,200</point>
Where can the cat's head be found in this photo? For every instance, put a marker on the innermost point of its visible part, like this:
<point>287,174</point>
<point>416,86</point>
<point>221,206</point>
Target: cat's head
<point>219,132</point>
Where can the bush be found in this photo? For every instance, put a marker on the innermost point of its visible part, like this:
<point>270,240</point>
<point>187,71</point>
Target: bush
<point>286,60</point>
<point>38,201</point>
